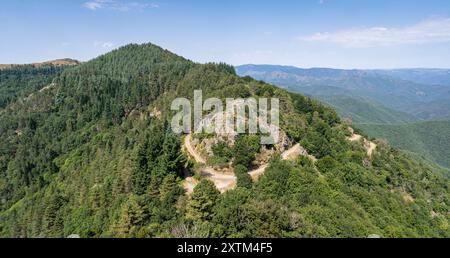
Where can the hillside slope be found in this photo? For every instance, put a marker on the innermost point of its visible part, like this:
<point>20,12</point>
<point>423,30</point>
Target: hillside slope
<point>94,156</point>
<point>434,110</point>
<point>20,81</point>
<point>430,139</point>
<point>365,111</point>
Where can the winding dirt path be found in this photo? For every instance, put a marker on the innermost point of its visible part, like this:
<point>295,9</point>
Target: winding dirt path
<point>227,181</point>
<point>191,150</point>
<point>223,181</point>
<point>370,146</point>
<point>257,173</point>
<point>295,151</point>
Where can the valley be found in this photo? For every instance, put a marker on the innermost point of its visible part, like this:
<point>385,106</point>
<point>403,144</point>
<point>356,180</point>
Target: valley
<point>387,104</point>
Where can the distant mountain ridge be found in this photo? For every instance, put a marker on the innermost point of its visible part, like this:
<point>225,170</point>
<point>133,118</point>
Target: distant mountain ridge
<point>399,105</point>
<point>420,75</point>
<point>56,62</point>
<point>388,87</point>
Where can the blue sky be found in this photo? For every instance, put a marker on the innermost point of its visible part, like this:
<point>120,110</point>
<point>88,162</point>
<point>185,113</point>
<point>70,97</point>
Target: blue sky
<point>308,33</point>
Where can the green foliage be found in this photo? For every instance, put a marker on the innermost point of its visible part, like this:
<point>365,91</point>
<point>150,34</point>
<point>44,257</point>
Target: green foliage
<point>131,216</point>
<point>362,110</point>
<point>228,213</point>
<point>243,178</point>
<point>428,139</point>
<point>222,154</point>
<point>274,183</point>
<point>265,219</point>
<point>222,150</point>
<point>159,155</point>
<point>200,206</point>
<point>245,149</point>
<point>20,81</point>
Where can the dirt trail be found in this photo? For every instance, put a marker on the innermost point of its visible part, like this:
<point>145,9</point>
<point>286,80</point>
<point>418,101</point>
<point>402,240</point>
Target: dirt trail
<point>191,150</point>
<point>48,87</point>
<point>227,181</point>
<point>257,173</point>
<point>189,184</point>
<point>223,181</point>
<point>296,151</point>
<point>292,152</point>
<point>355,137</point>
<point>370,146</point>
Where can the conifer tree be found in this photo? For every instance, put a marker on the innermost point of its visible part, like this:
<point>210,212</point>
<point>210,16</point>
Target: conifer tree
<point>200,206</point>
<point>243,178</point>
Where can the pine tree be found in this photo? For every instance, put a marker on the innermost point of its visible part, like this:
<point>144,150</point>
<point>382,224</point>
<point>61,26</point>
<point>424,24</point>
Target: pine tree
<point>132,215</point>
<point>169,188</point>
<point>141,176</point>
<point>53,221</point>
<point>200,206</point>
<point>243,178</point>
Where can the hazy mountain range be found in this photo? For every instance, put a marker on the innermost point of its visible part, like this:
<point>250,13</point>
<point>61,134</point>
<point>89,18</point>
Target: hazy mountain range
<point>410,97</point>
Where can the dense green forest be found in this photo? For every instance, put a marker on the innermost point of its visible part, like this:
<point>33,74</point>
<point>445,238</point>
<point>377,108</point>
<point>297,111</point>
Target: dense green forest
<point>429,139</point>
<point>20,81</point>
<point>362,110</point>
<point>93,155</point>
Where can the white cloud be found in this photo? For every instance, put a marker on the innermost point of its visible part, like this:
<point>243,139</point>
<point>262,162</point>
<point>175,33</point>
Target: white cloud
<point>429,31</point>
<point>103,44</point>
<point>97,4</point>
<point>118,5</point>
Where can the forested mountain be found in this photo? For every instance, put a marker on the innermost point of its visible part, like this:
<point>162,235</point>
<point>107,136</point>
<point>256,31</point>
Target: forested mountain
<point>93,155</point>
